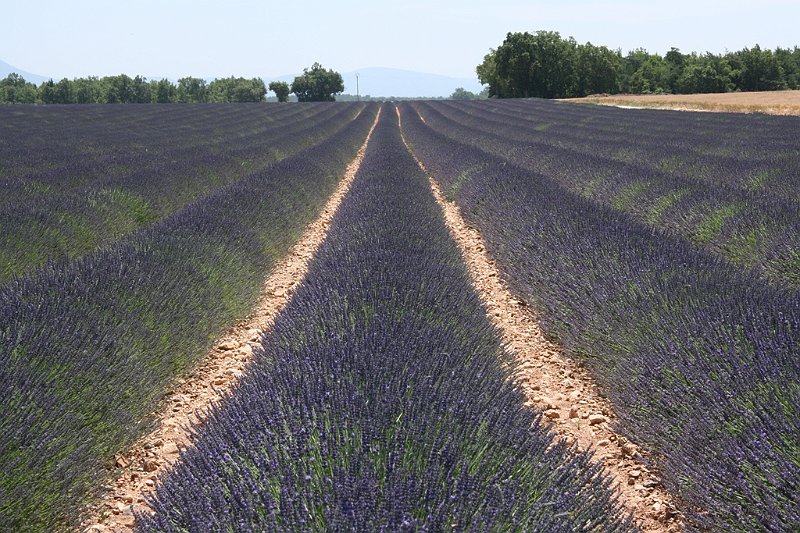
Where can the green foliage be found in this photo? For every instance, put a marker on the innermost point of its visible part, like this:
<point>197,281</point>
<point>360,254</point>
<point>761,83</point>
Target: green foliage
<point>281,90</point>
<point>162,91</point>
<point>712,223</point>
<point>123,89</point>
<point>317,84</point>
<point>487,73</point>
<point>628,196</point>
<point>651,76</point>
<point>598,70</point>
<point>87,90</point>
<point>192,91</point>
<point>237,90</point>
<point>540,64</point>
<point>57,93</point>
<point>462,94</point>
<point>757,70</point>
<point>709,74</point>
<point>15,90</point>
<point>545,65</point>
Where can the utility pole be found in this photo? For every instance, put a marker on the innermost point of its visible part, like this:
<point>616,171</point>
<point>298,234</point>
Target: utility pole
<point>358,94</point>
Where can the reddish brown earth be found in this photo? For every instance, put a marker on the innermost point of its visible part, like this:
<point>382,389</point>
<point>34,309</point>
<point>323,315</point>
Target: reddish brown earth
<point>138,469</point>
<point>556,385</point>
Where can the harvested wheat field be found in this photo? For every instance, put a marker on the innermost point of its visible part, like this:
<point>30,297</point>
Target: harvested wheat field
<point>770,102</point>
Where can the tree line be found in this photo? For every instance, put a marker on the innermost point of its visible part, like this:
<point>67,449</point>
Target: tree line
<point>545,65</point>
<point>123,89</point>
<point>315,84</point>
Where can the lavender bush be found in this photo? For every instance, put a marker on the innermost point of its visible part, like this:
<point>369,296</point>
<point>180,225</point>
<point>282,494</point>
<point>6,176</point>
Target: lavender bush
<point>75,179</point>
<point>725,182</point>
<point>87,348</point>
<point>381,401</point>
<point>699,357</point>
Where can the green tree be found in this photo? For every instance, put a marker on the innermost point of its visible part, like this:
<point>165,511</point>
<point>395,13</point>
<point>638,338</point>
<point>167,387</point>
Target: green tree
<point>192,90</point>
<point>281,90</point>
<point>57,93</point>
<point>317,84</point>
<point>47,92</point>
<point>789,61</point>
<point>237,90</point>
<point>162,91</point>
<point>676,61</point>
<point>541,64</point>
<point>119,89</point>
<point>487,73</point>
<point>140,91</point>
<point>705,74</point>
<point>15,90</point>
<point>631,63</point>
<point>88,90</point>
<point>65,91</point>
<point>757,70</point>
<point>597,70</point>
<point>462,94</point>
<point>651,76</point>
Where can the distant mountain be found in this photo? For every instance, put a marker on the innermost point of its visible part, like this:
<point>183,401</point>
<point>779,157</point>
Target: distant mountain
<point>380,81</point>
<point>6,69</point>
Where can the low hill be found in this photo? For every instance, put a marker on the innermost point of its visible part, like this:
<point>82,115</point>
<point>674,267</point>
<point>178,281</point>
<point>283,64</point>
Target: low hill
<point>6,69</point>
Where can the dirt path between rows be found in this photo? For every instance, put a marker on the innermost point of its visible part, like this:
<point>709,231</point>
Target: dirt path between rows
<point>211,379</point>
<point>557,386</point>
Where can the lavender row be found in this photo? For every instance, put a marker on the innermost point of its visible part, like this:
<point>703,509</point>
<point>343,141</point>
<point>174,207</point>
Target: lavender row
<point>698,358</point>
<point>62,148</point>
<point>739,199</point>
<point>96,133</point>
<point>728,149</point>
<point>89,200</point>
<point>86,350</point>
<point>381,400</point>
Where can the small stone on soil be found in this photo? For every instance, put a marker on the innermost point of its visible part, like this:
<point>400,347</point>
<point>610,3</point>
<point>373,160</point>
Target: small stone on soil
<point>127,520</point>
<point>171,448</point>
<point>596,419</point>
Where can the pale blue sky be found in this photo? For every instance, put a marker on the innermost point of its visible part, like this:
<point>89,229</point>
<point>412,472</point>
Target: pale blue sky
<point>174,38</point>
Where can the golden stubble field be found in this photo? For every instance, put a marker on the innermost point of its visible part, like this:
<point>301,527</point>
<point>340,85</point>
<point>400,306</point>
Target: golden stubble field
<point>770,102</point>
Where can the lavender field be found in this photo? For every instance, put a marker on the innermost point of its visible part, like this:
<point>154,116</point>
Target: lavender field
<point>660,249</point>
<point>675,284</point>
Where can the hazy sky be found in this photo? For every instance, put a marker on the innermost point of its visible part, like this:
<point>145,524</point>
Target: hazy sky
<point>174,38</point>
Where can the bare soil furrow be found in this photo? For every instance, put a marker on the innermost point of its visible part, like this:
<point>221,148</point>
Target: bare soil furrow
<point>557,386</point>
<point>139,468</point>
